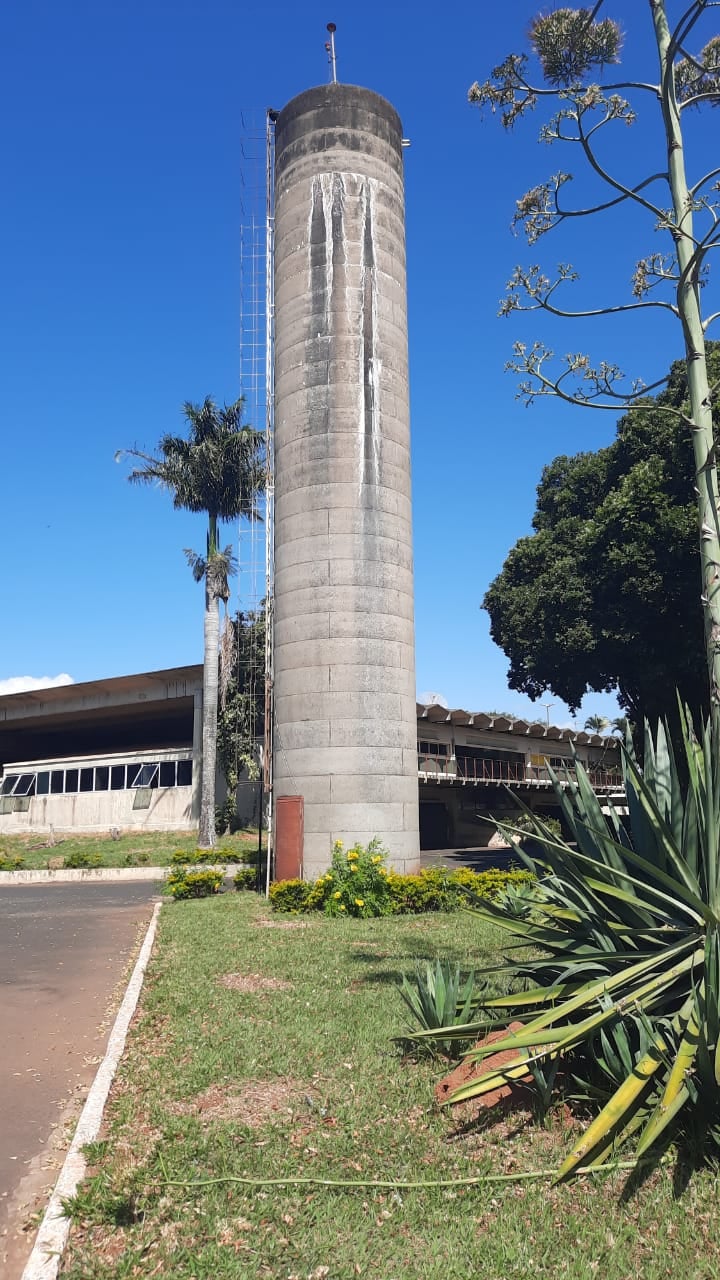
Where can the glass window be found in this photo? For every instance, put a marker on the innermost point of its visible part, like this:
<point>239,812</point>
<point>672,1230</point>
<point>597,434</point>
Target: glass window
<point>86,779</point>
<point>42,784</point>
<point>72,777</point>
<point>167,773</point>
<point>117,777</point>
<point>9,783</point>
<point>184,773</point>
<point>57,779</point>
<point>142,775</point>
<point>102,777</point>
<point>25,785</point>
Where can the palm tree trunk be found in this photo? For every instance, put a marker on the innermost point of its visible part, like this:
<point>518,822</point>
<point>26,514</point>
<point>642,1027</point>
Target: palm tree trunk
<point>210,703</point>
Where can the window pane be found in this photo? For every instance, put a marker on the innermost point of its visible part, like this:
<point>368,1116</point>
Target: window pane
<point>102,777</point>
<point>167,773</point>
<point>133,773</point>
<point>71,780</point>
<point>117,777</point>
<point>25,785</point>
<point>42,785</point>
<point>146,775</point>
<point>184,773</point>
<point>86,779</point>
<point>9,783</point>
<point>57,778</point>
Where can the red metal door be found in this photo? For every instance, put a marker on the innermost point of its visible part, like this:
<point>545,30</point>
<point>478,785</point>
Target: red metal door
<point>289,837</point>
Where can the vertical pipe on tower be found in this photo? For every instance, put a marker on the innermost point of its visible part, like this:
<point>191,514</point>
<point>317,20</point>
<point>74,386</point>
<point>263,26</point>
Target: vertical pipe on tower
<point>344,652</point>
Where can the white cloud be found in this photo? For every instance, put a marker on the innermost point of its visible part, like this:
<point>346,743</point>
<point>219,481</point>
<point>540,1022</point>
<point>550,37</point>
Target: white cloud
<point>22,684</point>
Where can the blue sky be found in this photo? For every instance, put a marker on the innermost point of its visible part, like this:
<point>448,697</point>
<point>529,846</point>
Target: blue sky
<point>120,228</point>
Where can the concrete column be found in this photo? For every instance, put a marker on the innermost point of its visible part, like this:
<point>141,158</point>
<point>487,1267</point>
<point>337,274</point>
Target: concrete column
<point>345,736</point>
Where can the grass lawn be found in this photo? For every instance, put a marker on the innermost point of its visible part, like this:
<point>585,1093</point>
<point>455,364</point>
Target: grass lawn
<point>133,848</point>
<point>263,1048</point>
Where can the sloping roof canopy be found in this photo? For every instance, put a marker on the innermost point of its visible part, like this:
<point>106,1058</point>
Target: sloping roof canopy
<point>435,714</point>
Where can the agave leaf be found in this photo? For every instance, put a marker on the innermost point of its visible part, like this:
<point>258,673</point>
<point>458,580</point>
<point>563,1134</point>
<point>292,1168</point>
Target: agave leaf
<point>538,995</point>
<point>636,1121</point>
<point>546,1030</point>
<point>660,1121</point>
<point>633,900</point>
<point>676,887</point>
<point>616,1113</point>
<point>663,774</point>
<point>664,834</point>
<point>676,1093</point>
<point>679,893</point>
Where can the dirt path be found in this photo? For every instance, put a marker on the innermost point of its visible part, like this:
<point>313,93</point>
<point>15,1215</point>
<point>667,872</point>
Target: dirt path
<point>63,952</point>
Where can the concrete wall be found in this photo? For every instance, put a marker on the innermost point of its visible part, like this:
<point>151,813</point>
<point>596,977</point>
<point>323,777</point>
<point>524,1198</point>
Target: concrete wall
<point>167,808</point>
<point>345,736</point>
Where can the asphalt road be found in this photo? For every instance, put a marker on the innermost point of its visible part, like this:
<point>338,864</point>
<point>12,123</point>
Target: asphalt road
<point>63,952</point>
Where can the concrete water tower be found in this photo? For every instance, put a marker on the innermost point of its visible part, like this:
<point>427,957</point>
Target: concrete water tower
<point>345,736</point>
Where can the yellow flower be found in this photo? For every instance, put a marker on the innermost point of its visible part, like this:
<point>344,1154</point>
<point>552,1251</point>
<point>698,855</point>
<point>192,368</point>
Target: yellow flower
<point>342,908</point>
<point>359,902</point>
<point>352,855</point>
<point>376,859</point>
<point>337,895</point>
<point>353,868</point>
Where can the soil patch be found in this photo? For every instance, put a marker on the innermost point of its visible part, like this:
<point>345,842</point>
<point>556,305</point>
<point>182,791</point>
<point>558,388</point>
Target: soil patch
<point>279,924</point>
<point>249,982</point>
<point>514,1093</point>
<point>260,1103</point>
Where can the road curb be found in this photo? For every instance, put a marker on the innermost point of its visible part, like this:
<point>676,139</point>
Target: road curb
<point>52,1235</point>
<point>98,875</point>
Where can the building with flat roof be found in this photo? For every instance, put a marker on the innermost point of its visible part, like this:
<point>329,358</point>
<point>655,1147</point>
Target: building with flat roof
<point>126,752</point>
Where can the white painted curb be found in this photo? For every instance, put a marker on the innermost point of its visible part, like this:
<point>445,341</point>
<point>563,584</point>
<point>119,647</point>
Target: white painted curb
<point>52,1236</point>
<point>103,875</point>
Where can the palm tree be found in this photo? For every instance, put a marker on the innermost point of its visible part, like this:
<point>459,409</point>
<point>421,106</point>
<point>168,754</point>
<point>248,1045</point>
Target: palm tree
<point>596,724</point>
<point>219,470</point>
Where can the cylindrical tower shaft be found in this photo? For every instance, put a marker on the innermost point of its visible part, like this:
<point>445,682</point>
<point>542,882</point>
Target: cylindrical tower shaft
<point>344,658</point>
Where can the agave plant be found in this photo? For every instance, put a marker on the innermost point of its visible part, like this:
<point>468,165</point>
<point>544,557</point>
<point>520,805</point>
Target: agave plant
<point>441,998</point>
<point>626,924</point>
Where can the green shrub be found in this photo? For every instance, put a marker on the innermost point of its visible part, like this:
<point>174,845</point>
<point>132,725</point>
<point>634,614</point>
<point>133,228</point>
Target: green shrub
<point>244,857</point>
<point>82,859</point>
<point>245,878</point>
<point>490,883</point>
<point>427,890</point>
<point>192,857</point>
<point>11,862</point>
<point>372,890</point>
<point>205,857</point>
<point>357,882</point>
<point>140,859</point>
<point>185,883</point>
<point>290,896</point>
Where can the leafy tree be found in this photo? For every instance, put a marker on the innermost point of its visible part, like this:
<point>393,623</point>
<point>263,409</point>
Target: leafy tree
<point>572,49</point>
<point>603,595</point>
<point>218,469</point>
<point>241,716</point>
<point>596,724</point>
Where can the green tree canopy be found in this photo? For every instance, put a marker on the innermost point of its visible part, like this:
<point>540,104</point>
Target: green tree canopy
<point>605,593</point>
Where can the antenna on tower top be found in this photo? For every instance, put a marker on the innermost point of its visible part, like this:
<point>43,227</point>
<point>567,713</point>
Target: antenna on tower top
<point>330,49</point>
